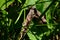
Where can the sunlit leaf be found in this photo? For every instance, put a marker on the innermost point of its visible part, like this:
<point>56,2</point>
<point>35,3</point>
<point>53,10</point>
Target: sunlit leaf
<point>20,1</point>
<point>29,2</point>
<point>4,3</point>
<point>49,20</point>
<point>31,36</point>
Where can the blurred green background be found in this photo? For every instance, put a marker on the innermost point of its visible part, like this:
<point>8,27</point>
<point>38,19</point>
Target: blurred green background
<point>14,12</point>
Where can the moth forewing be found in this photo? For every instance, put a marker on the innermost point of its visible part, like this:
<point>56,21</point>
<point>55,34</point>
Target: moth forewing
<point>29,17</point>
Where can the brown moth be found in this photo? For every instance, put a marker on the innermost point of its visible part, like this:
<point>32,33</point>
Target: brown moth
<point>32,13</point>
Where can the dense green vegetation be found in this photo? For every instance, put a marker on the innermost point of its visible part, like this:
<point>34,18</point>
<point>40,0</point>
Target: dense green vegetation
<point>13,13</point>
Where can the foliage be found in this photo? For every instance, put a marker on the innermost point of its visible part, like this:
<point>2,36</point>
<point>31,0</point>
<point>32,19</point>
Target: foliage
<point>14,12</point>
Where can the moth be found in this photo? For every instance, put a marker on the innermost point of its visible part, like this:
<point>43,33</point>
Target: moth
<point>33,12</point>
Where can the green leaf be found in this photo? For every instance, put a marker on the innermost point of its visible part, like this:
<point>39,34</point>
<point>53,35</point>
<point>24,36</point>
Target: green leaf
<point>46,4</point>
<point>20,1</point>
<point>4,12</point>
<point>4,4</point>
<point>31,36</point>
<point>49,20</point>
<point>42,6</point>
<point>29,2</point>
